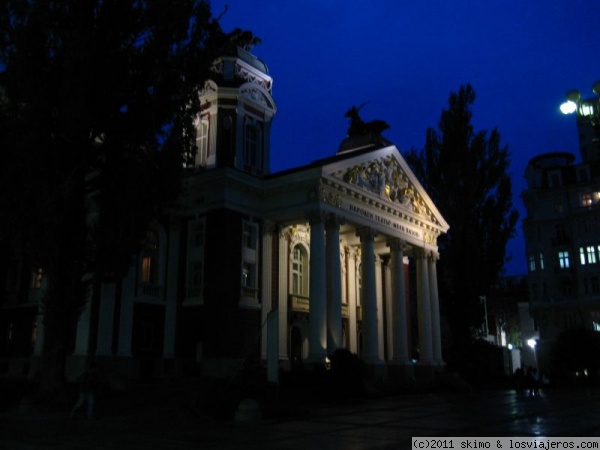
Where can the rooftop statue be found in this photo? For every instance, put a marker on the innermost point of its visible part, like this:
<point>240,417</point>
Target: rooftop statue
<point>359,127</point>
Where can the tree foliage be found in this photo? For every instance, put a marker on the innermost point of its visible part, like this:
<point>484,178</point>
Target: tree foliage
<point>97,100</point>
<point>466,174</point>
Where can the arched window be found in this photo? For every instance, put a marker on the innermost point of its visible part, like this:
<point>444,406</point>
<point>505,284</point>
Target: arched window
<point>150,258</point>
<point>299,271</point>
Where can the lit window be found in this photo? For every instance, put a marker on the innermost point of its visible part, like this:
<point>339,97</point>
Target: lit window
<point>586,109</point>
<point>299,278</point>
<point>202,141</point>
<point>586,199</point>
<point>249,275</point>
<point>37,279</point>
<point>532,263</point>
<point>250,258</point>
<point>582,256</point>
<point>541,261</point>
<point>563,260</point>
<point>150,258</point>
<point>591,254</point>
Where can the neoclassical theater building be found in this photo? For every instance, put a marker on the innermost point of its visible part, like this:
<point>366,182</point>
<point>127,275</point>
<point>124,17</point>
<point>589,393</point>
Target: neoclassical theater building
<point>340,253</point>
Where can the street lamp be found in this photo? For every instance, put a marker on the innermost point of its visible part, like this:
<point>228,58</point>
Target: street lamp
<point>587,110</point>
<point>588,120</point>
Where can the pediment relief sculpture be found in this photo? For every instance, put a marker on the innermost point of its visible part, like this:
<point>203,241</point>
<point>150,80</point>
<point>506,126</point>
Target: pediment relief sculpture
<point>385,177</point>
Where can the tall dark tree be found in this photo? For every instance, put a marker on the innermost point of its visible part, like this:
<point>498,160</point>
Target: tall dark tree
<point>97,99</point>
<point>466,174</point>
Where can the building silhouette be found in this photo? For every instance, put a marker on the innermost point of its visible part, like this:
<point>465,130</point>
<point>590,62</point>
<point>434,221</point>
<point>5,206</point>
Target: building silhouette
<point>562,235</point>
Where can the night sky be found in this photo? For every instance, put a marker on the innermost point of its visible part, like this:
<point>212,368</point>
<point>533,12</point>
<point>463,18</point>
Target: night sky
<point>406,57</point>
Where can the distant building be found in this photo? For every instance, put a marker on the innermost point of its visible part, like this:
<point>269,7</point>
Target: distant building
<point>249,264</point>
<point>562,235</point>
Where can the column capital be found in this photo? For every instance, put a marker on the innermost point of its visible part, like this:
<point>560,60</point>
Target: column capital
<point>366,233</point>
<point>396,244</point>
<point>421,253</point>
<point>433,256</point>
<point>270,227</point>
<point>316,215</point>
<point>333,220</point>
<point>350,251</point>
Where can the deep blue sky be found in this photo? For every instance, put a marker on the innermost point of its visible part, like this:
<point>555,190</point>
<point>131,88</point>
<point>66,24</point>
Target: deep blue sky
<point>406,57</point>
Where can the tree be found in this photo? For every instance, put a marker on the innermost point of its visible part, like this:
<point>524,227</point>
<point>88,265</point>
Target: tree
<point>465,173</point>
<point>96,115</point>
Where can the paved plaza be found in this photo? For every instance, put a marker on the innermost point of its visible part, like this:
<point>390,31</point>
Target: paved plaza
<point>381,422</point>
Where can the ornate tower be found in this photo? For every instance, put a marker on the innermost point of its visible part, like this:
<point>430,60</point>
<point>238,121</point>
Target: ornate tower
<point>236,111</point>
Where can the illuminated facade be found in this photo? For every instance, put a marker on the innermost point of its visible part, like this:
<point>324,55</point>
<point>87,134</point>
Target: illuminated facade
<point>323,250</point>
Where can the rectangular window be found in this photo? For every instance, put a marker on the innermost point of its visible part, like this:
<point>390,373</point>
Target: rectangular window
<point>250,259</point>
<point>201,141</point>
<point>195,278</point>
<point>595,285</point>
<point>250,235</point>
<point>249,275</point>
<point>148,270</point>
<point>554,178</point>
<point>591,254</point>
<point>197,233</point>
<point>37,279</point>
<point>541,261</point>
<point>252,146</point>
<point>582,256</point>
<point>563,260</point>
<point>532,263</point>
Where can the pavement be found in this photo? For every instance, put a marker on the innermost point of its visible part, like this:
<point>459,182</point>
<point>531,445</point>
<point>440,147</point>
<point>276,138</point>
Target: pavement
<point>371,422</point>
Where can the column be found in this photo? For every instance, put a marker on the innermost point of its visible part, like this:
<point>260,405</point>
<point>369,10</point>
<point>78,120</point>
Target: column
<point>389,312</point>
<point>370,352</point>
<point>282,300</point>
<point>317,327</point>
<point>106,317</point>
<point>379,296</point>
<point>82,340</point>
<point>267,284</point>
<point>400,319</point>
<point>424,309</point>
<point>126,316</point>
<point>435,309</point>
<point>171,289</point>
<point>334,286</point>
<point>351,271</point>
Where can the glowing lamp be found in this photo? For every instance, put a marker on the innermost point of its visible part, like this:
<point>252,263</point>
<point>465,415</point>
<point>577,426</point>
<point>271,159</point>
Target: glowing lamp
<point>568,107</point>
<point>532,343</point>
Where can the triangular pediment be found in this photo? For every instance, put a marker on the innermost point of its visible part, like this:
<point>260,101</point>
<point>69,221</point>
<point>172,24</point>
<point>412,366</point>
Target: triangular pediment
<point>385,174</point>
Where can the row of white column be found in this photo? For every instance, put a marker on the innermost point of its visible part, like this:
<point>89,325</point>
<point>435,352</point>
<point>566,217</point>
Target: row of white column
<point>325,291</point>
